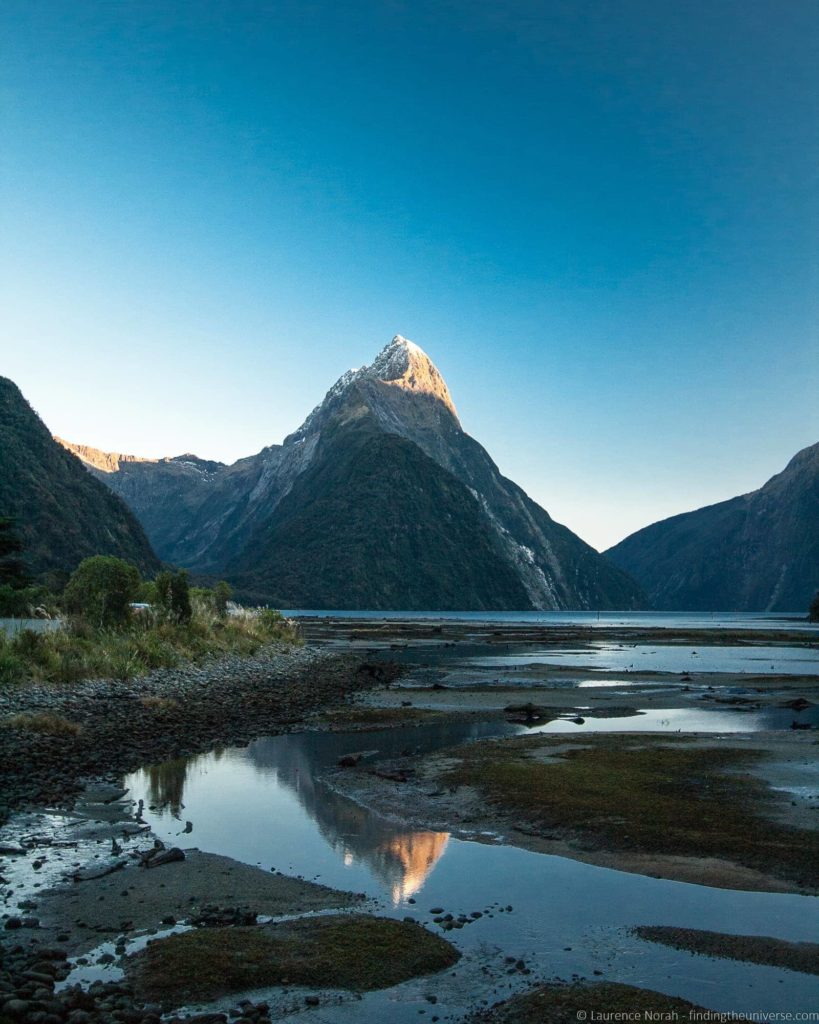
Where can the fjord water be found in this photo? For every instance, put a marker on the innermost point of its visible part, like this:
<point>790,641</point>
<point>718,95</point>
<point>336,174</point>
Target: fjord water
<point>265,804</point>
<point>677,658</point>
<point>636,620</point>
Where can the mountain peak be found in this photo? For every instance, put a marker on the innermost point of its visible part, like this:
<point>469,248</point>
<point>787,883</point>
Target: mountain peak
<point>402,365</point>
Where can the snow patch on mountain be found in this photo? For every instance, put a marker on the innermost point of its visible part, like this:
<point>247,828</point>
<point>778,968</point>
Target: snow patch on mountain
<point>401,364</point>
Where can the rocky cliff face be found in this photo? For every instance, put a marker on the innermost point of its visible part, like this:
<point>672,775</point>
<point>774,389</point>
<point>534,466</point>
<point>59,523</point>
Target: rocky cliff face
<point>756,552</point>
<point>62,513</point>
<point>164,494</point>
<point>250,520</point>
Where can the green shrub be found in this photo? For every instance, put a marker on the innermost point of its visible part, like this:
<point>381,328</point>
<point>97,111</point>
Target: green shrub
<point>25,602</point>
<point>173,595</point>
<point>110,643</point>
<point>101,589</point>
<point>12,669</point>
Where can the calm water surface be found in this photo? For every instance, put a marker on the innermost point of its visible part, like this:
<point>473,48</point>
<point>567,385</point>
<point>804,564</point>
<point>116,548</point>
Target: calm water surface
<point>264,805</point>
<point>641,620</point>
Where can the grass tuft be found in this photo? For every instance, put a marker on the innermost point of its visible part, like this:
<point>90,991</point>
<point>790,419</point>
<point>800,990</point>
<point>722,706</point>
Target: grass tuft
<point>162,705</point>
<point>43,722</point>
<point>357,952</point>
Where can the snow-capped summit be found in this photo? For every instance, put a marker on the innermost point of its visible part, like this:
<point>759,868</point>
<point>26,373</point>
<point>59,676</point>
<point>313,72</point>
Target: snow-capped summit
<point>401,365</point>
<point>406,365</point>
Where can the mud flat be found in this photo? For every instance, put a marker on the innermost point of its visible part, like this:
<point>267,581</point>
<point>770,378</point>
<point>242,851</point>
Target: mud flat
<point>202,886</point>
<point>686,808</point>
<point>151,928</point>
<point>396,632</point>
<point>757,949</point>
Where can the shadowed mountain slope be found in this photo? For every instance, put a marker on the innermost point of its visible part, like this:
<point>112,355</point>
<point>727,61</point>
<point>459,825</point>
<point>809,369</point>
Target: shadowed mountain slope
<point>756,552</point>
<point>62,513</point>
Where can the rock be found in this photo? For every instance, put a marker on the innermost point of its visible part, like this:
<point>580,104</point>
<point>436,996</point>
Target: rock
<point>90,874</point>
<point>165,857</point>
<point>17,1009</point>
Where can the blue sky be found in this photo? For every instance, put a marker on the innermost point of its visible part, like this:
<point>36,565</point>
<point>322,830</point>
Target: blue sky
<point>599,218</point>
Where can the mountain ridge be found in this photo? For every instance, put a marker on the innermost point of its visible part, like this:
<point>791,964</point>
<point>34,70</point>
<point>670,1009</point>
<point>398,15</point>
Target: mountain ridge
<point>205,520</point>
<point>61,512</point>
<point>758,551</point>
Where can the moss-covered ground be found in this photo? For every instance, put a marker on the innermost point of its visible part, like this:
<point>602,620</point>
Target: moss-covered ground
<point>356,951</point>
<point>566,1004</point>
<point>634,794</point>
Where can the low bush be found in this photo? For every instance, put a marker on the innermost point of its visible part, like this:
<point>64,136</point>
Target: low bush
<point>147,641</point>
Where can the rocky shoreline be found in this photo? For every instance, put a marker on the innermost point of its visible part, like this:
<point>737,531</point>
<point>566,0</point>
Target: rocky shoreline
<point>98,730</point>
<point>60,737</point>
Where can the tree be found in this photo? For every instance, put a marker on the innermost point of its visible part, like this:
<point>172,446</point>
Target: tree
<point>13,571</point>
<point>174,595</point>
<point>222,593</point>
<point>813,611</point>
<point>101,589</point>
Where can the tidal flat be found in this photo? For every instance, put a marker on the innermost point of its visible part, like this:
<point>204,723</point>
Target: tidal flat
<point>547,821</point>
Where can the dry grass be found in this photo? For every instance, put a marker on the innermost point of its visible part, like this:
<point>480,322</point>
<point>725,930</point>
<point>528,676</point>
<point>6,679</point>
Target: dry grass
<point>80,651</point>
<point>162,705</point>
<point>44,722</point>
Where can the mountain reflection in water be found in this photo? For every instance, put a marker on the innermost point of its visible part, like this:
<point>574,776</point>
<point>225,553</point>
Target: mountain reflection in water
<point>239,801</point>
